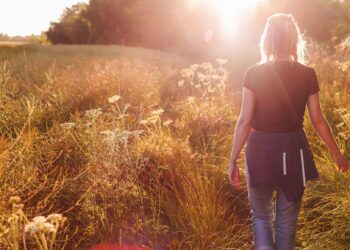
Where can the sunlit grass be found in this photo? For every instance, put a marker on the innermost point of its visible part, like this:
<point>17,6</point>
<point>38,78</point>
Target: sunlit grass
<point>132,146</point>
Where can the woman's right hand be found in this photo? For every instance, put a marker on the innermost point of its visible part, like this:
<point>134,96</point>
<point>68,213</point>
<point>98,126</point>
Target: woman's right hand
<point>233,174</point>
<point>341,161</point>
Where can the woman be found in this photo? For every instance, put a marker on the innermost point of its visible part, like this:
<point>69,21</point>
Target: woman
<point>278,157</point>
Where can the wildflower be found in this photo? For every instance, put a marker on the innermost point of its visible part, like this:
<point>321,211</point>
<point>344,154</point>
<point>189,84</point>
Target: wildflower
<point>13,218</point>
<point>191,99</point>
<point>40,224</point>
<point>194,67</point>
<point>4,231</point>
<point>137,132</point>
<point>92,113</point>
<point>206,65</point>
<point>344,66</point>
<point>14,199</point>
<point>180,83</point>
<point>200,75</point>
<point>122,116</point>
<point>186,73</point>
<point>345,43</point>
<point>54,217</point>
<point>39,219</point>
<point>221,61</point>
<point>167,123</point>
<point>30,227</point>
<point>113,99</point>
<point>153,119</point>
<point>67,125</point>
<point>49,228</point>
<point>124,136</point>
<point>215,77</point>
<point>211,90</point>
<point>107,133</point>
<point>157,111</point>
<point>143,122</point>
<point>16,206</point>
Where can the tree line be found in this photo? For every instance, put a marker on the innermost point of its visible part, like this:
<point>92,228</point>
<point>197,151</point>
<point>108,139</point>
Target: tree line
<point>172,25</point>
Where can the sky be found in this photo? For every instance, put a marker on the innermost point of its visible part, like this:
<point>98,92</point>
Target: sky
<point>26,17</point>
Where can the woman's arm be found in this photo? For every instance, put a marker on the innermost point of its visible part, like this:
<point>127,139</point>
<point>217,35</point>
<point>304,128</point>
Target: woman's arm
<point>322,128</point>
<point>243,126</point>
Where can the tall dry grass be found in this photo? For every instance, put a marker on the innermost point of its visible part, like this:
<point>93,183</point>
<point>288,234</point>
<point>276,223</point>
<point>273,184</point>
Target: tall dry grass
<point>132,146</point>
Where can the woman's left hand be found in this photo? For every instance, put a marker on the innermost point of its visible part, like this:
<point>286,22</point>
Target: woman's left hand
<point>233,174</point>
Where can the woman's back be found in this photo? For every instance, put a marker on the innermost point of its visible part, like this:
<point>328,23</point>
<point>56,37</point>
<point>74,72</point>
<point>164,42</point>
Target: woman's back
<point>278,154</point>
<point>281,90</point>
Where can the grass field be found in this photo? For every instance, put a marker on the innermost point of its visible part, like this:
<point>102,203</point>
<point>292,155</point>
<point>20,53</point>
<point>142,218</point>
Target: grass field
<point>131,146</point>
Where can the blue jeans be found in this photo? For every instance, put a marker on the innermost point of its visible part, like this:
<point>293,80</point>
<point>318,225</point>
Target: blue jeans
<point>262,211</point>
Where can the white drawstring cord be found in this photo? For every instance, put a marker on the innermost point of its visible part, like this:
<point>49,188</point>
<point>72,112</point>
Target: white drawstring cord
<point>284,164</point>
<point>302,166</point>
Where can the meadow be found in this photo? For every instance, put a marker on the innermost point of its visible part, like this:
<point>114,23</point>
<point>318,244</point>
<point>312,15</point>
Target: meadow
<point>108,144</point>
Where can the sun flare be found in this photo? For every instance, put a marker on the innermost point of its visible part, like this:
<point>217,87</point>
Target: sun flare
<point>229,11</point>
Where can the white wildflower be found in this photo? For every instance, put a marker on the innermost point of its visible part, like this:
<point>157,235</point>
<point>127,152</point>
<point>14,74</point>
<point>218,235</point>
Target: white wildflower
<point>17,206</point>
<point>206,65</point>
<point>167,122</point>
<point>137,132</point>
<point>14,199</point>
<point>31,227</point>
<point>200,75</point>
<point>153,119</point>
<point>211,90</point>
<point>221,61</point>
<point>113,99</point>
<point>194,67</point>
<point>123,116</point>
<point>38,225</point>
<point>49,228</point>
<point>92,113</point>
<point>67,125</point>
<point>157,111</point>
<point>54,217</point>
<point>13,218</point>
<point>215,77</point>
<point>108,133</point>
<point>143,122</point>
<point>186,73</point>
<point>124,136</point>
<point>39,219</point>
<point>191,99</point>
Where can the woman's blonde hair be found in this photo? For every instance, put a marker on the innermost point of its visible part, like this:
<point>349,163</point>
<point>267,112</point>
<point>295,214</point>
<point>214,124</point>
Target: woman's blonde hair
<point>282,38</point>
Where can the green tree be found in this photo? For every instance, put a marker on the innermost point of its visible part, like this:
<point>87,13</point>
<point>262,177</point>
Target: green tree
<point>72,28</point>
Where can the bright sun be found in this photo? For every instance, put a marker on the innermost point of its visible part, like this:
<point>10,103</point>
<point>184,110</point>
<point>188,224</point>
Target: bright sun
<point>229,10</point>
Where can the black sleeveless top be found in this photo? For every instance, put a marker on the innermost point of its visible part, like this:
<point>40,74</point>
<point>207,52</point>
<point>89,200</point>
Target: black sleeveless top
<point>281,90</point>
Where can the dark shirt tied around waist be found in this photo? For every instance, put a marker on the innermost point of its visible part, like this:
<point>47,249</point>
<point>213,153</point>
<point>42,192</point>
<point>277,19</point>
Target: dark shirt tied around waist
<point>280,160</point>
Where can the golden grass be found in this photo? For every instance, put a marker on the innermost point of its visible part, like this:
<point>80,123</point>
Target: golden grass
<point>132,149</point>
